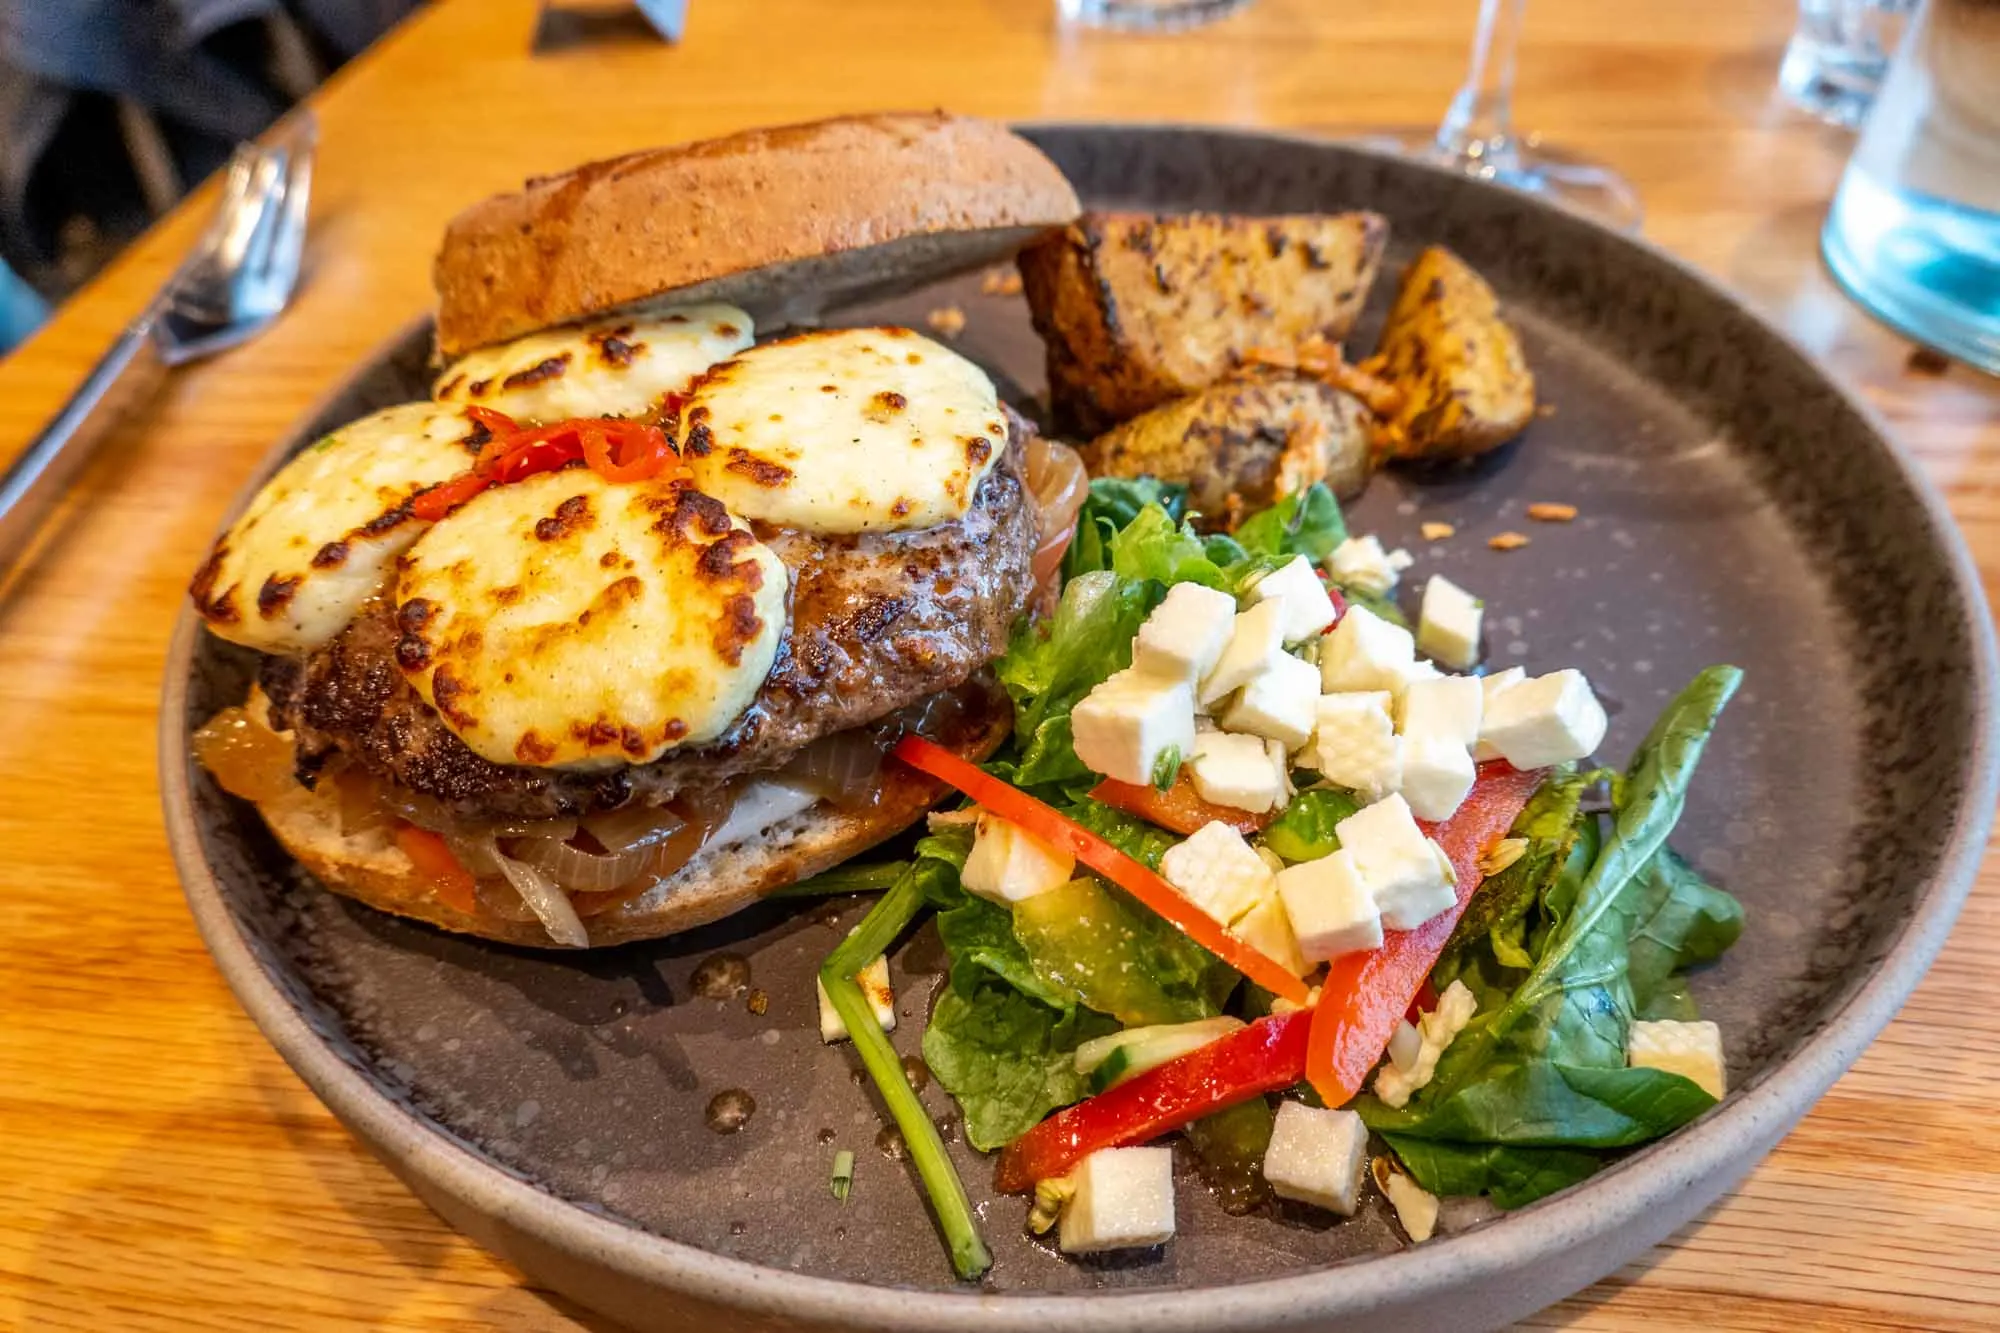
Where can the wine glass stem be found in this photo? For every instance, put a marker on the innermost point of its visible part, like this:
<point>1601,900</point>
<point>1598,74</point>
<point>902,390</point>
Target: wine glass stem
<point>1480,123</point>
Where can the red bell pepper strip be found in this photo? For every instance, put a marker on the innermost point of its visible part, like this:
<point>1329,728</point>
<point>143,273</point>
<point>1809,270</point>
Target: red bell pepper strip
<point>1179,807</point>
<point>450,880</point>
<point>1265,1056</point>
<point>1365,995</point>
<point>1058,830</point>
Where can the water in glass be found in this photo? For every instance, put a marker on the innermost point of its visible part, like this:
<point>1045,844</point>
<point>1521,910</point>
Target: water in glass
<point>1914,233</point>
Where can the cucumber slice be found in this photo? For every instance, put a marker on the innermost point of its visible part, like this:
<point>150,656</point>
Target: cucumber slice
<point>1111,1060</point>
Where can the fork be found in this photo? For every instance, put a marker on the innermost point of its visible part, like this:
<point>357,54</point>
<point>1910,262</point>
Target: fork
<point>233,284</point>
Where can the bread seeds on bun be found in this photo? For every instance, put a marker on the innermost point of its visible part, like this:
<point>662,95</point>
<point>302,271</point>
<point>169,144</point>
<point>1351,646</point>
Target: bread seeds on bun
<point>623,625</point>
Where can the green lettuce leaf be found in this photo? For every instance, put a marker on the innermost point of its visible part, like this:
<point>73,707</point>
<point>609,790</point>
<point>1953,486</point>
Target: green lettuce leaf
<point>1006,1058</point>
<point>1306,523</point>
<point>1049,667</point>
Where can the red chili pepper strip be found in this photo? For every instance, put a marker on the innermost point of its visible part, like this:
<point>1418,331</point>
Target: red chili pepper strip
<point>1365,995</point>
<point>1051,826</point>
<point>1179,807</point>
<point>450,880</point>
<point>1267,1055</point>
<point>433,504</point>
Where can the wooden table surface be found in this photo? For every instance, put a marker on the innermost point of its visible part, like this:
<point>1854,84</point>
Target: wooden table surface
<point>161,1168</point>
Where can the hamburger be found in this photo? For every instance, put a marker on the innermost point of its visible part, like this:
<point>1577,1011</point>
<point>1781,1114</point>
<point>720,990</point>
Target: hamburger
<point>610,637</point>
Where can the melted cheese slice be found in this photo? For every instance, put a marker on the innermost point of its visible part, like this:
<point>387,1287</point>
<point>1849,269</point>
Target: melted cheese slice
<point>323,534</point>
<point>567,622</point>
<point>617,367</point>
<point>845,430</point>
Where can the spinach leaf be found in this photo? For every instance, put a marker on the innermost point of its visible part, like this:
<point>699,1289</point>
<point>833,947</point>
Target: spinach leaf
<point>1542,1065</point>
<point>1498,913</point>
<point>1306,523</point>
<point>1512,1176</point>
<point>1680,921</point>
<point>1008,1059</point>
<point>1304,832</point>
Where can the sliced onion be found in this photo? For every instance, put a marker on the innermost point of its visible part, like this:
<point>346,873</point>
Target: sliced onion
<point>632,827</point>
<point>845,768</point>
<point>1060,483</point>
<point>547,902</point>
<point>579,871</point>
<point>477,852</point>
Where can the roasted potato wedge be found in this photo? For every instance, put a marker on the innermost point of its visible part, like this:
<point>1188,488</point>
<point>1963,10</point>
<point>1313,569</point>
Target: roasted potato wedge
<point>1241,444</point>
<point>1465,384</point>
<point>1138,310</point>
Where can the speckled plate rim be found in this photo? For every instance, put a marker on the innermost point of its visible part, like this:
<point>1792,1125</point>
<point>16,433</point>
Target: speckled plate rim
<point>1543,1252</point>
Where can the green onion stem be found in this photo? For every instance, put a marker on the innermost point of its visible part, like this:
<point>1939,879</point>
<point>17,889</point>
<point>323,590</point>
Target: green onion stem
<point>846,879</point>
<point>887,919</point>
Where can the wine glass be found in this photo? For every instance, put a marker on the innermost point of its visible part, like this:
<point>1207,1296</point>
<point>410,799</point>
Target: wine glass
<point>1477,135</point>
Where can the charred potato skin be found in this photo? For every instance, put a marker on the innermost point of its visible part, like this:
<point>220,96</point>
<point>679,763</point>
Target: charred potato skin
<point>1137,310</point>
<point>1465,382</point>
<point>1241,444</point>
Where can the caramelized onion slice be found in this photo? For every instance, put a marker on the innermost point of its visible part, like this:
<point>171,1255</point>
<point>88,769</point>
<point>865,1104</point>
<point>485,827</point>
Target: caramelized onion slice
<point>547,902</point>
<point>245,756</point>
<point>1060,484</point>
<point>578,871</point>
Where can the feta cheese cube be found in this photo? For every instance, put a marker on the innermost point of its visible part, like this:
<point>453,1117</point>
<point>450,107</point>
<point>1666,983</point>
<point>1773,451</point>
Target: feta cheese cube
<point>1355,742</point>
<point>1361,564</point>
<point>1123,727</point>
<point>1008,864</point>
<point>1436,776</point>
<point>1692,1050</point>
<point>1413,1058</point>
<point>1365,652</point>
<point>1255,637</point>
<point>1278,703</point>
<point>1124,1199</point>
<point>1186,633</point>
<point>1551,719</point>
<point>1492,686</point>
<point>1316,1156</point>
<point>1448,627</point>
<point>1445,708</point>
<point>1268,930</point>
<point>1416,1208</point>
<point>1331,910</point>
<point>1218,872</point>
<point>1408,873</point>
<point>1238,771</point>
<point>874,982</point>
<point>1400,560</point>
<point>1308,610</point>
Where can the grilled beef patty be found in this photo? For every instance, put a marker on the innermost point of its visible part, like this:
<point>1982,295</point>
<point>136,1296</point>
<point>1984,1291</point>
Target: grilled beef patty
<point>878,621</point>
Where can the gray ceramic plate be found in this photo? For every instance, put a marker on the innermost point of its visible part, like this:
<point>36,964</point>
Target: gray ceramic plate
<point>1735,506</point>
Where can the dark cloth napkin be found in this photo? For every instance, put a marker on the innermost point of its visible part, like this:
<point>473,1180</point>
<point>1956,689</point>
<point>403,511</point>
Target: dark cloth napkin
<point>81,80</point>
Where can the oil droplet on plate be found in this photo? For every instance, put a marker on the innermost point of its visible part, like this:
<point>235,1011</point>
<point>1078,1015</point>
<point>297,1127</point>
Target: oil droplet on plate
<point>825,1136</point>
<point>721,976</point>
<point>917,1072</point>
<point>738,1228</point>
<point>730,1110</point>
<point>890,1141</point>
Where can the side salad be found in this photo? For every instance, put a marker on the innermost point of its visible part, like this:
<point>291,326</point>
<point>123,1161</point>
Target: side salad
<point>1263,866</point>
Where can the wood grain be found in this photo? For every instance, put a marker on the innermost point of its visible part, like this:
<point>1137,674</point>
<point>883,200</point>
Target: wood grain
<point>160,1168</point>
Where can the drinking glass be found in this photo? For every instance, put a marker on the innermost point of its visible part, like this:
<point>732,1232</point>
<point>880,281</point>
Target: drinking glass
<point>1839,53</point>
<point>1477,135</point>
<point>1145,15</point>
<point>1914,232</point>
